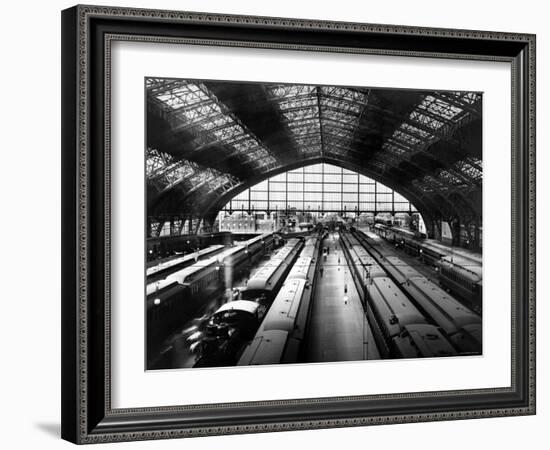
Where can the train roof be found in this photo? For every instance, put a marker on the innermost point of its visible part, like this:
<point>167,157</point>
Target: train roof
<point>446,250</point>
<point>263,274</point>
<point>375,271</point>
<point>466,267</point>
<point>283,310</point>
<point>239,305</point>
<point>261,278</point>
<point>181,275</point>
<point>159,286</point>
<point>312,240</point>
<point>257,238</point>
<point>401,270</point>
<point>301,267</point>
<point>471,273</point>
<point>390,300</point>
<point>427,341</point>
<point>474,330</point>
<point>443,305</point>
<point>265,348</point>
<point>182,259</point>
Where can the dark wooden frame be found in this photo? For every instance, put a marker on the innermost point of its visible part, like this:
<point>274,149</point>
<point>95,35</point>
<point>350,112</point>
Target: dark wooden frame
<point>87,32</point>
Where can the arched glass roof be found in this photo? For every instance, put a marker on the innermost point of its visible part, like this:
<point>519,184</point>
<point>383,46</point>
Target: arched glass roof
<point>207,141</point>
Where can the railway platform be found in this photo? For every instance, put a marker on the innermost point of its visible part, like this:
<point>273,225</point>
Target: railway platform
<point>338,327</point>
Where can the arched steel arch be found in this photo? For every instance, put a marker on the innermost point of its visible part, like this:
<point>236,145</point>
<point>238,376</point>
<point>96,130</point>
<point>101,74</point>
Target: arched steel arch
<point>425,208</point>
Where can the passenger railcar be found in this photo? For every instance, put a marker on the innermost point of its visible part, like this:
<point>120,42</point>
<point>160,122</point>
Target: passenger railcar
<point>267,280</point>
<point>460,324</point>
<point>465,283</point>
<point>422,341</point>
<point>183,293</point>
<point>388,309</point>
<point>282,332</point>
<point>459,269</point>
<point>163,269</point>
<point>283,316</point>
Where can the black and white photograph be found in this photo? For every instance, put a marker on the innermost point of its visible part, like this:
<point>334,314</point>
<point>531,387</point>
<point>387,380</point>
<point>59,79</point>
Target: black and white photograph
<point>299,223</point>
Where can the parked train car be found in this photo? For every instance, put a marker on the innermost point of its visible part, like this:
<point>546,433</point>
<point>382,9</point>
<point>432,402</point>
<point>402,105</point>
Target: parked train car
<point>460,324</point>
<point>281,334</point>
<point>389,311</point>
<point>459,270</point>
<point>224,341</point>
<point>165,268</point>
<point>422,341</point>
<point>465,283</point>
<point>268,279</point>
<point>183,293</point>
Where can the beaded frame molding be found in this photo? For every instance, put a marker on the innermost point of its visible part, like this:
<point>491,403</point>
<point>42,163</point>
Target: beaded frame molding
<point>87,35</point>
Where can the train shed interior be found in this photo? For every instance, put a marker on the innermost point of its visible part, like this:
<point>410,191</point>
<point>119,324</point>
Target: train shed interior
<point>337,197</point>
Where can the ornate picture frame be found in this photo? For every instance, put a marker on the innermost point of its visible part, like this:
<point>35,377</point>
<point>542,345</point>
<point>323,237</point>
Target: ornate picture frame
<point>88,33</point>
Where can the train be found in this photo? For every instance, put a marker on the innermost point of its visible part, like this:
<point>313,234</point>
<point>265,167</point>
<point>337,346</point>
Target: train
<point>459,269</point>
<point>167,266</point>
<point>227,329</point>
<point>400,330</point>
<point>281,335</point>
<point>460,324</point>
<point>269,277</point>
<point>183,293</point>
<point>261,289</point>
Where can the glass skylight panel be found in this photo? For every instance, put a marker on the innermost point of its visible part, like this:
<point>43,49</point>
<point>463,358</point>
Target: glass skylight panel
<point>450,178</point>
<point>300,114</point>
<point>346,93</point>
<point>338,115</point>
<point>309,109</point>
<point>338,131</point>
<point>216,122</point>
<point>154,162</point>
<point>337,104</point>
<point>290,90</point>
<point>161,166</point>
<point>183,96</point>
<point>414,130</point>
<point>199,108</point>
<point>467,97</point>
<point>406,138</point>
<point>471,166</point>
<point>165,172</point>
<point>298,103</point>
<point>392,148</point>
<point>439,107</point>
<point>425,120</point>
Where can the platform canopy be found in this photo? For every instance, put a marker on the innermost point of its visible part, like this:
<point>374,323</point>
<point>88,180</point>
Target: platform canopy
<point>207,141</point>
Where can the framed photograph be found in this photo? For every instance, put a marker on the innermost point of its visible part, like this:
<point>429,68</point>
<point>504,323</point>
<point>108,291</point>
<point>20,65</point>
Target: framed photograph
<point>282,224</point>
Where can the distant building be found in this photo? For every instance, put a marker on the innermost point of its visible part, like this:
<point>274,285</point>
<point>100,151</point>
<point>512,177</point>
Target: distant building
<point>241,222</point>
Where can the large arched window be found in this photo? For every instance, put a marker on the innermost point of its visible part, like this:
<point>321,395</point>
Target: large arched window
<point>320,189</point>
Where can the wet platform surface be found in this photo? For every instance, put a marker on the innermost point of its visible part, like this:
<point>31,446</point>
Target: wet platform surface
<point>338,327</point>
